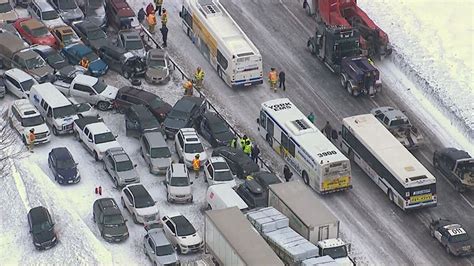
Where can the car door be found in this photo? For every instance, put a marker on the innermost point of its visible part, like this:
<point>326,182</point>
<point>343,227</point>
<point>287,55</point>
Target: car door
<point>52,164</point>
<point>16,120</point>
<point>209,172</point>
<point>180,146</point>
<point>144,149</point>
<point>445,165</point>
<point>13,86</point>
<point>205,129</point>
<point>128,200</point>
<point>150,246</point>
<point>84,92</point>
<point>131,123</point>
<point>170,231</point>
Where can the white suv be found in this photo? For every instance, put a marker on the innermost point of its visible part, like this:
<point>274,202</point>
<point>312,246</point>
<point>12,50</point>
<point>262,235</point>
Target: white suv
<point>182,233</point>
<point>217,171</point>
<point>18,82</point>
<point>178,184</point>
<point>188,145</point>
<point>139,203</point>
<point>23,117</point>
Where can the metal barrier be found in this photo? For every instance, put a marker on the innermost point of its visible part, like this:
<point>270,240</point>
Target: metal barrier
<point>201,94</point>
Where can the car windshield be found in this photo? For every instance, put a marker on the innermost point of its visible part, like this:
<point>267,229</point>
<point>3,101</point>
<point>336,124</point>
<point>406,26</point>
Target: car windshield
<point>124,166</point>
<point>96,34</point>
<point>134,45</point>
<point>335,252</point>
<point>179,181</point>
<point>32,121</point>
<point>5,7</point>
<point>82,107</point>
<point>156,63</point>
<point>223,176</point>
<point>185,229</point>
<point>162,152</point>
<point>164,250</point>
<point>44,226</point>
<point>50,15</point>
<point>64,111</point>
<point>91,56</point>
<point>219,127</point>
<point>35,62</point>
<point>193,148</point>
<point>104,137</point>
<point>399,122</point>
<point>144,202</point>
<point>67,38</point>
<point>99,86</point>
<point>26,85</point>
<point>66,164</point>
<point>113,220</point>
<point>67,4</point>
<point>40,31</point>
<point>156,103</point>
<point>459,238</point>
<point>55,58</point>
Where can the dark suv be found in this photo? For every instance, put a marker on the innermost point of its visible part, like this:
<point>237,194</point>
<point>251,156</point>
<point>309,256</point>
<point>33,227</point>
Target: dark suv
<point>186,112</point>
<point>138,120</point>
<point>123,62</point>
<point>109,219</point>
<point>127,96</point>
<point>42,228</point>
<point>253,194</point>
<point>214,129</point>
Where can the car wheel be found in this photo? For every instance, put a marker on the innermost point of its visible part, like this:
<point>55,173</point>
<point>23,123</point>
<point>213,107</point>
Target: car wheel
<point>134,217</point>
<point>390,195</point>
<point>96,156</point>
<point>305,178</point>
<point>178,249</point>
<point>55,131</point>
<point>103,106</point>
<point>24,140</point>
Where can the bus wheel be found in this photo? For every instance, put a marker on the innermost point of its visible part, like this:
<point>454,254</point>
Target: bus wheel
<point>269,140</point>
<point>305,178</point>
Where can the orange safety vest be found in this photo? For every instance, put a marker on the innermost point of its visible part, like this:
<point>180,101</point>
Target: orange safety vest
<point>196,164</point>
<point>188,85</point>
<point>272,76</point>
<point>151,19</point>
<point>32,137</point>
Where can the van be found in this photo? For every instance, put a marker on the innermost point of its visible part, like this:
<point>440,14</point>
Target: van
<point>24,117</point>
<point>45,12</point>
<point>56,109</point>
<point>18,82</point>
<point>222,196</point>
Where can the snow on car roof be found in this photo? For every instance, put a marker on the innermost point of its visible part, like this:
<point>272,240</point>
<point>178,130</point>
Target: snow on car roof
<point>32,23</point>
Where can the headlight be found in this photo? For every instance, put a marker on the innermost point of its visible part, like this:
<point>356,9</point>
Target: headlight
<point>37,244</point>
<point>60,176</point>
<point>107,235</point>
<point>54,239</point>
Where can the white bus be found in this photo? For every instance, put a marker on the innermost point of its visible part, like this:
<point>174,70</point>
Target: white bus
<point>235,58</point>
<point>289,132</point>
<point>390,165</point>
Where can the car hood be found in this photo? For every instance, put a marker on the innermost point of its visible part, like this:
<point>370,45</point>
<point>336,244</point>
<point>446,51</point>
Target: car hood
<point>42,71</point>
<point>53,22</point>
<point>152,210</point>
<point>70,72</point>
<point>139,53</point>
<point>98,65</point>
<point>116,230</point>
<point>131,174</point>
<point>174,123</point>
<point>230,183</point>
<point>159,73</point>
<point>9,16</point>
<point>110,92</point>
<point>160,162</point>
<point>108,145</point>
<point>71,14</point>
<point>179,190</point>
<point>249,167</point>
<point>60,65</point>
<point>64,121</point>
<point>44,236</point>
<point>167,259</point>
<point>68,173</point>
<point>96,44</point>
<point>189,240</point>
<point>190,156</point>
<point>98,20</point>
<point>224,137</point>
<point>38,129</point>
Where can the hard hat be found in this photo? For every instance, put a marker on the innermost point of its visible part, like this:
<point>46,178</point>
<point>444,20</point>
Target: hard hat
<point>197,156</point>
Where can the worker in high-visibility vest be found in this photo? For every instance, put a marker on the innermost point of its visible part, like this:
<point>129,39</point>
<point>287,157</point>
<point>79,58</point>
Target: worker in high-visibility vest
<point>151,19</point>
<point>84,63</point>
<point>188,88</point>
<point>158,4</point>
<point>31,139</point>
<point>196,165</point>
<point>248,147</point>
<point>198,78</point>
<point>273,79</point>
<point>164,17</point>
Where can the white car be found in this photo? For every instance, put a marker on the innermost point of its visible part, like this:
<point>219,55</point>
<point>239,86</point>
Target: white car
<point>18,82</point>
<point>188,145</point>
<point>23,117</point>
<point>217,171</point>
<point>139,203</point>
<point>83,109</point>
<point>178,185</point>
<point>182,233</point>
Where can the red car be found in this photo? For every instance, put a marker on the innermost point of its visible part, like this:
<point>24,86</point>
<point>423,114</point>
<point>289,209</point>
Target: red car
<point>34,32</point>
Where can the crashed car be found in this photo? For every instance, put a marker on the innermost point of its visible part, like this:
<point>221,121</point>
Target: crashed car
<point>122,61</point>
<point>91,34</point>
<point>158,66</point>
<point>452,236</point>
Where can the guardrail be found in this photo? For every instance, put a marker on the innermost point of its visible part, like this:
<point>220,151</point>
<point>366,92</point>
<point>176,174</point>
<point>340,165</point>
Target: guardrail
<point>202,95</point>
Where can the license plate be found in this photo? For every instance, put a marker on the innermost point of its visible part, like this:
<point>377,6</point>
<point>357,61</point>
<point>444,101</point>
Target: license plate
<point>336,183</point>
<point>420,198</point>
<point>247,84</point>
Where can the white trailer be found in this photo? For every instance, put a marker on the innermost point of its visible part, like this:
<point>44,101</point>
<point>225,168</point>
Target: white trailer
<point>231,239</point>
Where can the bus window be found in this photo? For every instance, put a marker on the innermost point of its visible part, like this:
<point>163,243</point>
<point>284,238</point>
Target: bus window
<point>205,49</point>
<point>270,127</point>
<point>263,119</point>
<point>291,148</point>
<point>284,140</point>
<point>222,60</point>
<point>187,17</point>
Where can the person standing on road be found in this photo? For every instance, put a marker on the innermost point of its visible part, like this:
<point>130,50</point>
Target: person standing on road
<point>198,78</point>
<point>196,165</point>
<point>141,15</point>
<point>31,139</point>
<point>273,78</point>
<point>281,78</point>
<point>233,143</point>
<point>164,35</point>
<point>255,153</point>
<point>248,148</point>
<point>327,129</point>
<point>151,19</point>
<point>149,9</point>
<point>311,117</point>
<point>188,88</point>
<point>287,174</point>
<point>242,141</point>
<point>158,4</point>
<point>164,17</point>
<point>84,63</point>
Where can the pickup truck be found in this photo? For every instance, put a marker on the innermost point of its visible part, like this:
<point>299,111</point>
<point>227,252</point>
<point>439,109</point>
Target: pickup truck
<point>89,89</point>
<point>95,136</point>
<point>399,125</point>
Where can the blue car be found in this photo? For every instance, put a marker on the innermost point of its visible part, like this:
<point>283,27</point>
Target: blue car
<point>63,166</point>
<point>76,51</point>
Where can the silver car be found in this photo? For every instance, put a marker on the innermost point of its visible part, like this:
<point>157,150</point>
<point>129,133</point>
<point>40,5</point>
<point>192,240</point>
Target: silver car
<point>157,247</point>
<point>95,12</point>
<point>131,41</point>
<point>155,152</point>
<point>158,66</point>
<point>120,167</point>
<point>68,10</point>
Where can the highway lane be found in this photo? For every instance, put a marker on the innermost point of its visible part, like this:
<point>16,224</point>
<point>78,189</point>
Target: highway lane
<point>379,231</point>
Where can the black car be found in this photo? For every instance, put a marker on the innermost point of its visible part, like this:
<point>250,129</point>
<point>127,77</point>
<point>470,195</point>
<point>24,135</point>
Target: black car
<point>240,163</point>
<point>214,129</point>
<point>91,34</point>
<point>123,62</point>
<point>106,214</point>
<point>42,228</point>
<point>452,236</point>
<point>253,194</point>
<point>457,165</point>
<point>185,113</point>
<point>127,96</point>
<point>138,120</point>
<point>265,179</point>
<point>63,166</point>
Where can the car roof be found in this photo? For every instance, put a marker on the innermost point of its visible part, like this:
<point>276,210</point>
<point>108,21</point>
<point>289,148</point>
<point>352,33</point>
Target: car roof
<point>159,237</point>
<point>139,93</point>
<point>125,12</point>
<point>145,116</point>
<point>79,47</point>
<point>98,127</point>
<point>44,5</point>
<point>155,139</point>
<point>25,108</point>
<point>109,206</point>
<point>61,153</point>
<point>116,152</point>
<point>455,154</point>
<point>212,117</point>
<point>253,186</point>
<point>266,178</point>
<point>19,74</point>
<point>38,214</point>
<point>138,190</point>
<point>217,159</point>
<point>32,23</point>
<point>129,34</point>
<point>179,169</point>
<point>28,54</point>
<point>86,79</point>
<point>179,220</point>
<point>390,112</point>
